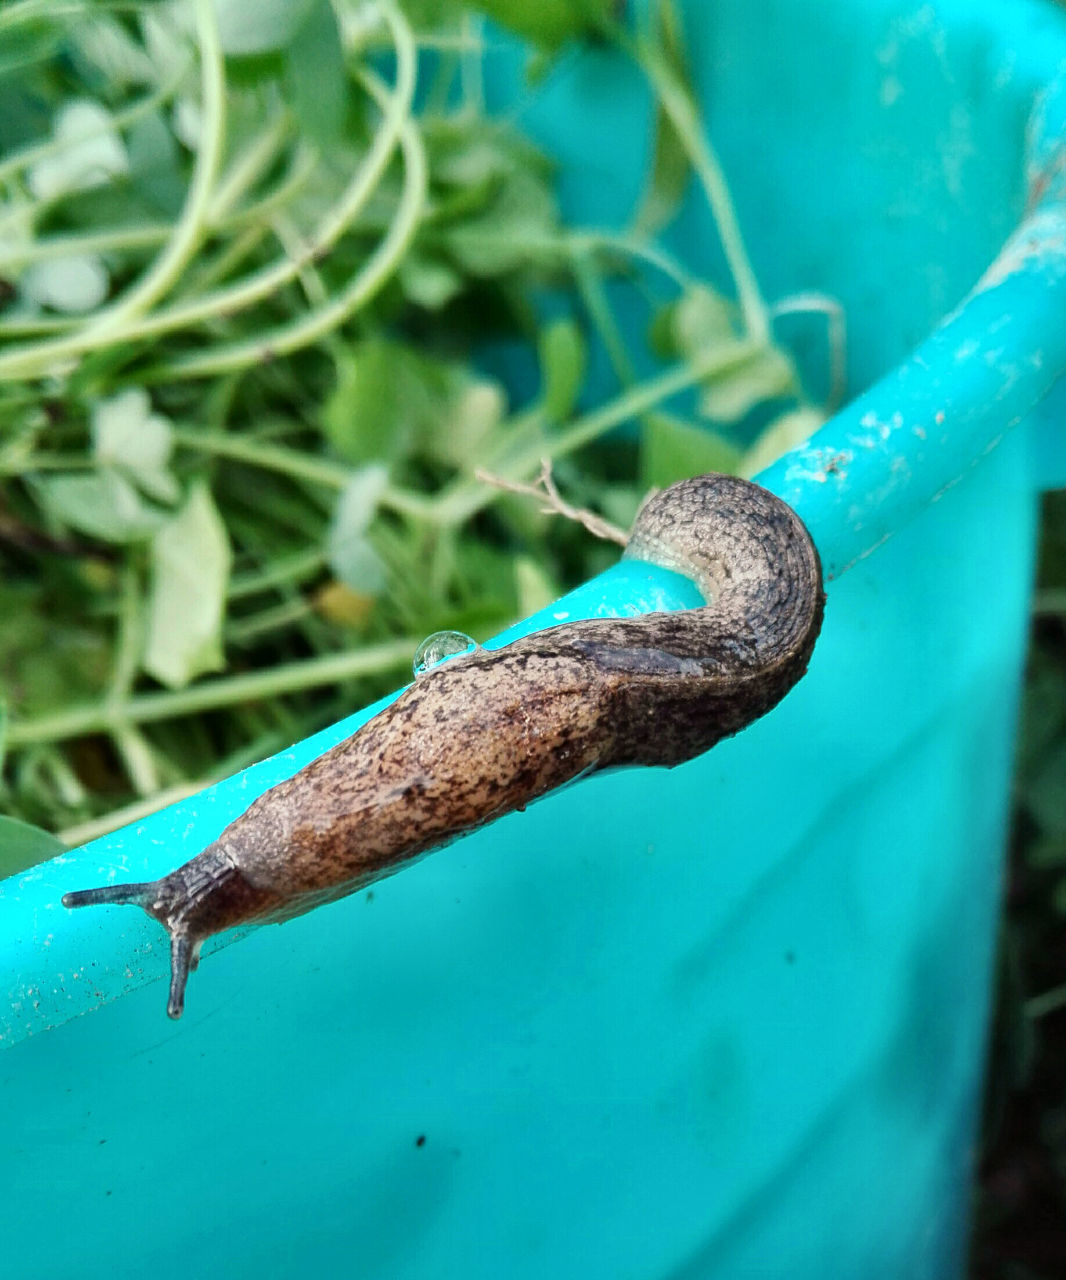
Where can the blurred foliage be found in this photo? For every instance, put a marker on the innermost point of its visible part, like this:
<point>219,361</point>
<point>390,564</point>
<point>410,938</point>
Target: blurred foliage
<point>273,286</point>
<point>1021,1231</point>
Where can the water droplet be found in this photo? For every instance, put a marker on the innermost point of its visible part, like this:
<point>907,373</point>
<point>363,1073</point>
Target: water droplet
<point>439,646</point>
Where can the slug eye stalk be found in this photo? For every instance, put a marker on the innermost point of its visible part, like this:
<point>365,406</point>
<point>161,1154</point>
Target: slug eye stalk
<point>140,895</point>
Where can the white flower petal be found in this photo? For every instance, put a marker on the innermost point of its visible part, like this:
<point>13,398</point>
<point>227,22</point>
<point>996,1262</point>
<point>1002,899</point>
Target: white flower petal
<point>74,284</point>
<point>128,434</point>
<point>188,122</point>
<point>91,152</point>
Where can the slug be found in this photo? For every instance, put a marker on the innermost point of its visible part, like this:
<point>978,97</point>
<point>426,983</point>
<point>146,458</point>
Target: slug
<point>486,733</point>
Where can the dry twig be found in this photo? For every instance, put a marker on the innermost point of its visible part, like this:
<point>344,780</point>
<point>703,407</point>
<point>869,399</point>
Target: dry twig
<point>544,488</point>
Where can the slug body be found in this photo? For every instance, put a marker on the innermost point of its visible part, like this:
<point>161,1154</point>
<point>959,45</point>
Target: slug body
<point>483,734</point>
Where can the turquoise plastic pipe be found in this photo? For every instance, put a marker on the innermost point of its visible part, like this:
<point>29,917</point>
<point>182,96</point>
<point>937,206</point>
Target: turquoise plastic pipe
<point>726,1020</point>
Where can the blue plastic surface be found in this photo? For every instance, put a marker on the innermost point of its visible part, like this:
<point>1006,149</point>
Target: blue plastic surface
<point>726,1020</point>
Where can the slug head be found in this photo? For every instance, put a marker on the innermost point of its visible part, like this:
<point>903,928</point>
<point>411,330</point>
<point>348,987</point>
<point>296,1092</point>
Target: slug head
<point>205,896</point>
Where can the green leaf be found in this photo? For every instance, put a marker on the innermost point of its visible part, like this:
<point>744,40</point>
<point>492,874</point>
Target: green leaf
<point>701,319</point>
<point>1047,851</point>
<point>46,660</point>
<point>369,413</point>
<point>91,152</point>
<point>469,415</point>
<point>30,41</point>
<point>71,285</point>
<point>670,166</point>
<point>23,846</point>
<point>1044,793</point>
<point>355,563</point>
<point>518,227</point>
<point>315,74</point>
<point>155,165</point>
<point>428,282</point>
<point>534,587</point>
<point>562,365</point>
<point>467,158</point>
<point>1043,709</point>
<point>548,23</point>
<point>766,374</point>
<point>393,402</point>
<point>104,505</point>
<point>352,559</point>
<point>783,434</point>
<point>103,49</point>
<point>249,27</point>
<point>132,439</point>
<point>672,450</point>
<point>190,571</point>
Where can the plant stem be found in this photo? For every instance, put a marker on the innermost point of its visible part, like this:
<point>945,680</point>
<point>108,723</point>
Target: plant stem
<point>271,457</point>
<point>590,287</point>
<point>1049,603</point>
<point>471,59</point>
<point>316,324</point>
<point>294,568</point>
<point>107,325</point>
<point>469,496</point>
<point>148,234</point>
<point>83,832</point>
<point>211,695</point>
<point>274,618</point>
<point>120,120</point>
<point>190,229</point>
<point>297,465</point>
<point>205,276</point>
<point>1045,1003</point>
<point>69,245</point>
<point>836,337</point>
<point>396,126</point>
<point>20,466</point>
<point>248,168</point>
<point>678,105</point>
<point>582,242</point>
<point>128,642</point>
<point>131,745</point>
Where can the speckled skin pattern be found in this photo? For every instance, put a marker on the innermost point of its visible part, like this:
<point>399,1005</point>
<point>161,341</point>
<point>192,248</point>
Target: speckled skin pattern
<point>485,733</point>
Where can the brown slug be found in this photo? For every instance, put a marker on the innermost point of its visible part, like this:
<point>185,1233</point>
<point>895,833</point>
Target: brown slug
<point>486,733</point>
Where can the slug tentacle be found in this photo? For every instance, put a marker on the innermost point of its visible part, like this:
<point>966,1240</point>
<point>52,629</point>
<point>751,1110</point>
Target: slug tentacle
<point>488,733</point>
<point>105,895</point>
<point>207,894</point>
<point>183,960</point>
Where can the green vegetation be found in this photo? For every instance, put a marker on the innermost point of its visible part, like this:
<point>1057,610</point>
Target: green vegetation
<point>263,269</point>
<point>1023,1193</point>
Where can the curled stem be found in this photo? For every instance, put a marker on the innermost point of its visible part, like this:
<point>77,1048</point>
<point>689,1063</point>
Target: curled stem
<point>467,497</point>
<point>123,322</point>
<point>210,695</point>
<point>309,328</point>
<point>107,325</point>
<point>677,103</point>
